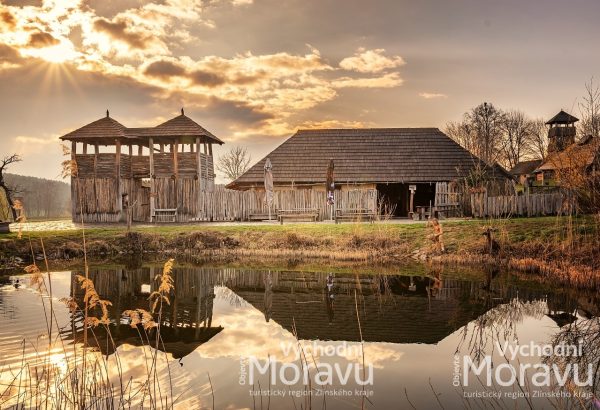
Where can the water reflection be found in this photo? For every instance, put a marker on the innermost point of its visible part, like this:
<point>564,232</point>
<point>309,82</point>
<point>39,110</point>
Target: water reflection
<point>412,324</point>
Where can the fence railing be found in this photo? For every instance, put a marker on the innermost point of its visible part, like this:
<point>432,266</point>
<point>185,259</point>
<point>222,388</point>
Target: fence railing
<point>525,205</point>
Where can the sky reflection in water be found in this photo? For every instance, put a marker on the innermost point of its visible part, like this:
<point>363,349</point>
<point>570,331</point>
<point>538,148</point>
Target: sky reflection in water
<point>412,327</point>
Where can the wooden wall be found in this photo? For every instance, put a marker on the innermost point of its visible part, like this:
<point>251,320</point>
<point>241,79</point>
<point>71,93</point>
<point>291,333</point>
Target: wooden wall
<point>104,165</point>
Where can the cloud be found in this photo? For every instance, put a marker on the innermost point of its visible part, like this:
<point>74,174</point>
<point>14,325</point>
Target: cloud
<point>164,69</point>
<point>146,45</point>
<point>371,61</point>
<point>7,20</point>
<point>385,81</point>
<point>333,123</point>
<point>119,31</point>
<point>41,39</point>
<point>8,53</point>
<point>431,96</point>
<point>22,139</point>
<point>207,78</point>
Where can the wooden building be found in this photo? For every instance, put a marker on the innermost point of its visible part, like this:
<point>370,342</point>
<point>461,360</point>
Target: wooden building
<point>566,157</point>
<point>186,321</point>
<point>406,165</point>
<point>524,175</point>
<point>159,171</point>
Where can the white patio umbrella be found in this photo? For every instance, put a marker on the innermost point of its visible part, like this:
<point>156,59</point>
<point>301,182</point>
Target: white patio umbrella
<point>269,185</point>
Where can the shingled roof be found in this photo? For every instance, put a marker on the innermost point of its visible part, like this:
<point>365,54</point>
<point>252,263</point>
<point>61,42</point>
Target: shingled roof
<point>365,156</point>
<point>525,167</point>
<point>182,126</point>
<point>562,118</point>
<point>580,154</point>
<point>108,129</point>
<point>103,128</point>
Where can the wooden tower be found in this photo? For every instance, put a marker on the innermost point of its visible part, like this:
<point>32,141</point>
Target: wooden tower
<point>156,173</point>
<point>561,131</point>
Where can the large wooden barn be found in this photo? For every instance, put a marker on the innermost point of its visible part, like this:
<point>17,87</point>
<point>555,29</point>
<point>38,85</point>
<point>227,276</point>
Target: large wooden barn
<point>394,161</point>
<point>158,171</point>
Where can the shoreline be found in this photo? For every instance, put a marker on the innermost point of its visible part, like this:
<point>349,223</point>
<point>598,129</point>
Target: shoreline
<point>534,246</point>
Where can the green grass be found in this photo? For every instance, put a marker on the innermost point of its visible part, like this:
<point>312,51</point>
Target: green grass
<point>519,229</point>
<point>394,239</point>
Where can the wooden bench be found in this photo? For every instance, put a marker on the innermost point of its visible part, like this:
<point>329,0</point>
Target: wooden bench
<point>298,214</point>
<point>4,227</point>
<point>261,216</point>
<point>165,215</point>
<point>360,214</point>
<point>442,210</point>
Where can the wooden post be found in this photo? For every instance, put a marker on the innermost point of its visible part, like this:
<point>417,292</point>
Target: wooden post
<point>175,149</point>
<point>140,150</point>
<point>118,178</point>
<point>199,164</point>
<point>152,194</point>
<point>130,162</point>
<point>85,148</point>
<point>206,166</point>
<point>74,193</point>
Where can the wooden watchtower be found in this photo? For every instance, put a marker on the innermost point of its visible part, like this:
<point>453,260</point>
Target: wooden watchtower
<point>561,131</point>
<point>159,171</point>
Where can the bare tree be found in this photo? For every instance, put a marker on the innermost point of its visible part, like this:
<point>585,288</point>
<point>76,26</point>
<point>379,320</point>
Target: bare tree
<point>539,139</point>
<point>463,133</point>
<point>234,162</point>
<point>590,110</point>
<point>480,132</point>
<point>518,132</point>
<point>9,190</point>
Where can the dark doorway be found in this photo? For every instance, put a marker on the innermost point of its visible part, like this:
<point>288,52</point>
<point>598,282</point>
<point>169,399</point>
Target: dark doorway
<point>394,199</point>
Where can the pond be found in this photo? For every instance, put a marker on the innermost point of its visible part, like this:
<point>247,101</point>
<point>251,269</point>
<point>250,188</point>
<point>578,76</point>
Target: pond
<point>234,337</point>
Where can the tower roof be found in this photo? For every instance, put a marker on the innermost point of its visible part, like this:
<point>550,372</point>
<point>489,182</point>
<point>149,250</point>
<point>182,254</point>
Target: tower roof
<point>182,126</point>
<point>562,118</point>
<point>104,128</point>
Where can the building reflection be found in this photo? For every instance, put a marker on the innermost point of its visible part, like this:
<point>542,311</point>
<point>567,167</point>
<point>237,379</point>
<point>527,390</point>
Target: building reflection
<point>186,322</point>
<point>313,305</point>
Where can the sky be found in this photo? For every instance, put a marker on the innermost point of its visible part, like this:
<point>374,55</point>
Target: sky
<point>254,71</point>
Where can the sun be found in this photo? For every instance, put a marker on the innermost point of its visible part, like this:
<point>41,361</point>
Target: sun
<point>56,54</point>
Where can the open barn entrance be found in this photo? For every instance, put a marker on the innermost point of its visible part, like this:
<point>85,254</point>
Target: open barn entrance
<point>394,199</point>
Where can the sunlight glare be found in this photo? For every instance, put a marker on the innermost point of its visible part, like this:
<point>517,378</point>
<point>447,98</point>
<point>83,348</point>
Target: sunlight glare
<point>54,54</point>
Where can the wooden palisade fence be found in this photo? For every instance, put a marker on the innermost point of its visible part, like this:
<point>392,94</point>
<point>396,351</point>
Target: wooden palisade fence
<point>217,205</point>
<point>483,205</point>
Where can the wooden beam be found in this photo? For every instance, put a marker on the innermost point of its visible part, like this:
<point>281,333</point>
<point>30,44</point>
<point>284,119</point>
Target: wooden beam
<point>175,149</point>
<point>152,194</point>
<point>130,161</point>
<point>96,152</point>
<point>74,193</point>
<point>118,178</point>
<point>175,159</point>
<point>199,165</point>
<point>206,166</point>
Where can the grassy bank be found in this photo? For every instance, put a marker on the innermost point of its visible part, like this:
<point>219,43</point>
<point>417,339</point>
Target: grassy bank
<point>548,240</point>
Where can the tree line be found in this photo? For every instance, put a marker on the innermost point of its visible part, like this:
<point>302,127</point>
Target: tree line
<point>41,198</point>
<point>510,136</point>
